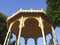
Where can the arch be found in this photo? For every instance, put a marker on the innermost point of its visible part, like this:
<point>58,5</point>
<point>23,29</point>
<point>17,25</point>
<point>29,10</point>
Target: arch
<point>31,22</point>
<point>15,27</point>
<point>31,25</point>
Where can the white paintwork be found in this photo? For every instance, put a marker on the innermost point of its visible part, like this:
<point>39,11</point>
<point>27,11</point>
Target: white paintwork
<point>19,35</point>
<point>8,34</point>
<point>42,29</point>
<point>54,36</point>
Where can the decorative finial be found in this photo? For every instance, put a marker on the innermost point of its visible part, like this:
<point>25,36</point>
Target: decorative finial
<point>31,9</point>
<point>42,9</point>
<point>20,8</point>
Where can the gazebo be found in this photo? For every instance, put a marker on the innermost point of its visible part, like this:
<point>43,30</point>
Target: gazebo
<point>29,24</point>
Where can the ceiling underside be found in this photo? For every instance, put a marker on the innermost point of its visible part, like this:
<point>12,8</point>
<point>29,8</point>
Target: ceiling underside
<point>31,28</point>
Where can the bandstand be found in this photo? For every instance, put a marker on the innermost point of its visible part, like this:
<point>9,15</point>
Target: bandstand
<point>29,24</point>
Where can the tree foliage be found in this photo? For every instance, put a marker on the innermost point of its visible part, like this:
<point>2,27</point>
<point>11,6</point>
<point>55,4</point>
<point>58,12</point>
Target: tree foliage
<point>3,27</point>
<point>53,12</point>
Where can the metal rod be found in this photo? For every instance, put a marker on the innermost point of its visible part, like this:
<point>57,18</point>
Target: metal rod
<point>42,29</point>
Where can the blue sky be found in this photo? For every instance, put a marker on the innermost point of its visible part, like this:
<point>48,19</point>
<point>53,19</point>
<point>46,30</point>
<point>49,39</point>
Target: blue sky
<point>8,7</point>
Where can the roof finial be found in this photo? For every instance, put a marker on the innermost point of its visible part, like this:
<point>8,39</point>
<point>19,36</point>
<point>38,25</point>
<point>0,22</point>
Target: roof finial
<point>42,9</point>
<point>31,9</point>
<point>20,8</point>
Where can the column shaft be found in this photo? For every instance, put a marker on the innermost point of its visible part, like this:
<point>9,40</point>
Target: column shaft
<point>7,34</point>
<point>42,29</point>
<point>20,28</point>
<point>54,36</point>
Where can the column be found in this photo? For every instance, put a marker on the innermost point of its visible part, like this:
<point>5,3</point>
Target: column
<point>35,41</point>
<point>26,41</point>
<point>8,34</point>
<point>9,37</point>
<point>20,29</point>
<point>18,39</point>
<point>42,29</point>
<point>54,36</point>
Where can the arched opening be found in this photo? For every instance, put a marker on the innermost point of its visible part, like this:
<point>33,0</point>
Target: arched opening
<point>31,29</point>
<point>31,41</point>
<point>48,38</point>
<point>22,41</point>
<point>12,40</point>
<point>15,27</point>
<point>40,41</point>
